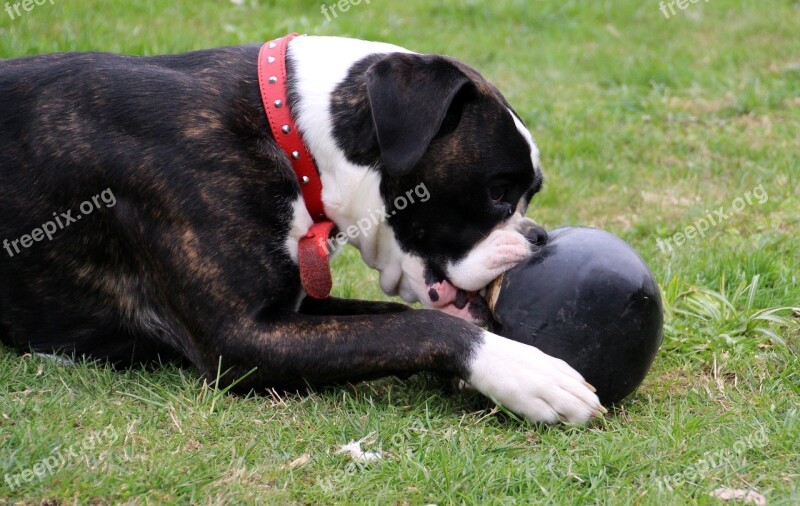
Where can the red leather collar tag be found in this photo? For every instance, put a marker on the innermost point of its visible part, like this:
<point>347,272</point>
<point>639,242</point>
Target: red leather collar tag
<point>313,255</point>
<point>314,259</point>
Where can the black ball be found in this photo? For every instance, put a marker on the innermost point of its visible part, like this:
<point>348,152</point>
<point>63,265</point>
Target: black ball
<point>589,299</point>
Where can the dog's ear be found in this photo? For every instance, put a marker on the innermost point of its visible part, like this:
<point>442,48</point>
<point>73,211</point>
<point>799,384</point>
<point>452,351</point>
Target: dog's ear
<point>410,95</point>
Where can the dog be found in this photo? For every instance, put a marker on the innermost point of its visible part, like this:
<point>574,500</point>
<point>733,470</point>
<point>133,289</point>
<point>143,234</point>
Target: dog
<point>148,212</point>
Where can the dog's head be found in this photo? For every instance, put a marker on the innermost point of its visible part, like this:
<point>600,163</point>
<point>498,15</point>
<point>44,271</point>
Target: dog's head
<point>458,169</point>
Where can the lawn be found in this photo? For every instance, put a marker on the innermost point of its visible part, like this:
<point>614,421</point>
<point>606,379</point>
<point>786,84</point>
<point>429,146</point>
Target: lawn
<point>647,124</point>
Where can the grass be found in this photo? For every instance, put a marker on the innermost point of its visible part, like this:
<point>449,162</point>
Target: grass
<point>646,124</point>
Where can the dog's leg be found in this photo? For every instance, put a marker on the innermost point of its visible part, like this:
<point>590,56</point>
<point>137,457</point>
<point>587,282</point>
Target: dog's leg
<point>294,350</point>
<point>241,312</point>
<point>336,306</point>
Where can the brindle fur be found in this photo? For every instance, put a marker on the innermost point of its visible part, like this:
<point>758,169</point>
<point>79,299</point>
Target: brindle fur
<point>191,261</point>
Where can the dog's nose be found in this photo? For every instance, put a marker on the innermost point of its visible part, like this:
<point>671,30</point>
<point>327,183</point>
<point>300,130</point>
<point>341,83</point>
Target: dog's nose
<point>536,235</point>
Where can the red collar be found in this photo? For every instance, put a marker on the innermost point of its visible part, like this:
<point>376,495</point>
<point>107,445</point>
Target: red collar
<point>313,255</point>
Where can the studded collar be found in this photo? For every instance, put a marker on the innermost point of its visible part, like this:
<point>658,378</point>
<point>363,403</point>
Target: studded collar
<point>313,254</point>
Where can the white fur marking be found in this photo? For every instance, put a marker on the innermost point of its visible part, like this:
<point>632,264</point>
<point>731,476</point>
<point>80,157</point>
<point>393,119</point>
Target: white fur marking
<point>504,248</point>
<point>528,137</point>
<point>301,222</point>
<point>350,192</point>
<point>531,383</point>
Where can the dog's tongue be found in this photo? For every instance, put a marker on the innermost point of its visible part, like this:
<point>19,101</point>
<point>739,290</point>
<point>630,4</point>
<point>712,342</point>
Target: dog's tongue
<point>442,294</point>
<point>454,301</point>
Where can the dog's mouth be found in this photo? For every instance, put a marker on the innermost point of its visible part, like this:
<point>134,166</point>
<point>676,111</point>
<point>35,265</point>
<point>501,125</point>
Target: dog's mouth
<point>448,298</point>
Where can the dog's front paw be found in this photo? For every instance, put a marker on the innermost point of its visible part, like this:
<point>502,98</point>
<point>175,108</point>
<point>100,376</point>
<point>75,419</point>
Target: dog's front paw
<point>531,383</point>
<point>499,252</point>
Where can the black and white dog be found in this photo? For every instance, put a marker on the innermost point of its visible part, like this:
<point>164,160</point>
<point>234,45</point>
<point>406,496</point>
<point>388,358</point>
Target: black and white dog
<point>197,258</point>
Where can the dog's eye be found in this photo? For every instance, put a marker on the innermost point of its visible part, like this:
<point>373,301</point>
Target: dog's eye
<point>497,192</point>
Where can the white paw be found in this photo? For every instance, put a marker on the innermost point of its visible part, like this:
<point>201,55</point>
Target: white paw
<point>531,383</point>
<point>499,252</point>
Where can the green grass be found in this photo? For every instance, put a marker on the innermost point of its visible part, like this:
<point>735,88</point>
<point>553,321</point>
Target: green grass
<point>644,124</point>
